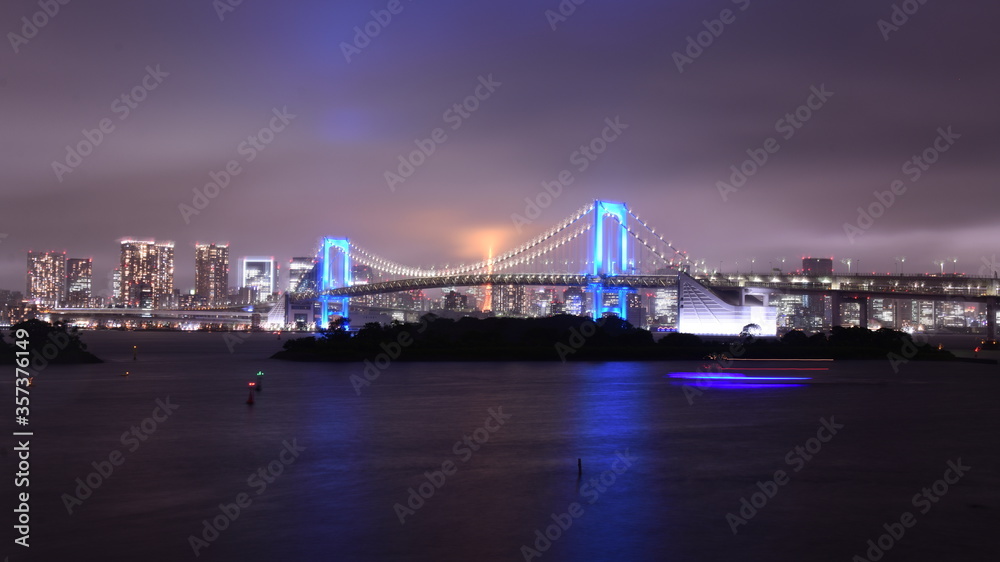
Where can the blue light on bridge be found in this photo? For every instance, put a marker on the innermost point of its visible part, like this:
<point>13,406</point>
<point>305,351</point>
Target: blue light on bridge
<point>330,279</point>
<point>618,212</point>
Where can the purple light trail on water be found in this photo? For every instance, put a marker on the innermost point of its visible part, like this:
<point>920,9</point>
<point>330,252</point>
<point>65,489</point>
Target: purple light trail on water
<point>733,376</point>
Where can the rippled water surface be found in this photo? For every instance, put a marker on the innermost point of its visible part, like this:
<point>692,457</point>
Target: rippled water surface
<point>694,451</point>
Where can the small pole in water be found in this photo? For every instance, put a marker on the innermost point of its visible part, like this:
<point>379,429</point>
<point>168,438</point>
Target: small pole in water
<point>260,381</point>
<point>134,353</point>
<point>250,398</point>
<point>579,466</point>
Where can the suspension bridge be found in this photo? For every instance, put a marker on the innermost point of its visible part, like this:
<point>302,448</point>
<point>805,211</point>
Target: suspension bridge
<point>609,252</point>
<point>604,248</point>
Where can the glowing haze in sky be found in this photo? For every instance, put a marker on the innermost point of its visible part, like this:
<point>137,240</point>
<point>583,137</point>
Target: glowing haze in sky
<point>683,113</point>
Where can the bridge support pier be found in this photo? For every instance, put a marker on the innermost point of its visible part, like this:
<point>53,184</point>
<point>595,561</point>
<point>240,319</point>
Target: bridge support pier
<point>991,318</point>
<point>863,305</point>
<point>597,296</point>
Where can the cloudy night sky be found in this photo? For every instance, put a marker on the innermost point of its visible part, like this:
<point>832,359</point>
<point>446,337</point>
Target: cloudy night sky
<point>324,174</point>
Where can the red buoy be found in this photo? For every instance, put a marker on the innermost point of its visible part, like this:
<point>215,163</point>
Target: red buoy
<point>250,398</point>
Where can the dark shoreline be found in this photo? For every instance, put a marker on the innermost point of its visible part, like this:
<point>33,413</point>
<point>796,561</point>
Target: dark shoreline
<point>572,338</point>
<point>550,355</point>
<point>56,344</point>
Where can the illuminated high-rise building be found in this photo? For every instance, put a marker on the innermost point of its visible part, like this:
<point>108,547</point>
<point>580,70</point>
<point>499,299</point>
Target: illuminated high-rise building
<point>791,312</point>
<point>79,280</point>
<point>301,273</point>
<point>47,278</point>
<point>116,285</point>
<point>260,275</point>
<point>508,300</point>
<point>10,306</point>
<point>454,300</point>
<point>574,301</point>
<point>147,273</point>
<point>665,306</point>
<point>634,310</point>
<point>211,273</point>
<point>882,311</point>
<point>163,277</point>
<point>540,301</point>
<point>137,264</point>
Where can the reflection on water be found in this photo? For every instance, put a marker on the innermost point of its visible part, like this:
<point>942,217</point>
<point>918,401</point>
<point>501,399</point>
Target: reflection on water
<point>690,461</point>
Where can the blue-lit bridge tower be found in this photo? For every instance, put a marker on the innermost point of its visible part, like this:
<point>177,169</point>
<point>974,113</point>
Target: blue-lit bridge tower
<point>609,247</point>
<point>334,262</point>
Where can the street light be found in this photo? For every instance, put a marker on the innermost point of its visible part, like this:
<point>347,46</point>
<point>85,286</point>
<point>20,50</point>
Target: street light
<point>848,262</point>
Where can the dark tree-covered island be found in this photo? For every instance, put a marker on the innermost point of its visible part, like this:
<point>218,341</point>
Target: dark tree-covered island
<point>47,343</point>
<point>575,338</point>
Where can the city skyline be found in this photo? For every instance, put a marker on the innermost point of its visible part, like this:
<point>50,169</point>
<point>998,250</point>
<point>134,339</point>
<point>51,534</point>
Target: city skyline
<point>644,114</point>
<point>786,264</point>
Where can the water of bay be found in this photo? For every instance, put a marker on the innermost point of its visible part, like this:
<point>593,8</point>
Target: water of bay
<point>693,453</point>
